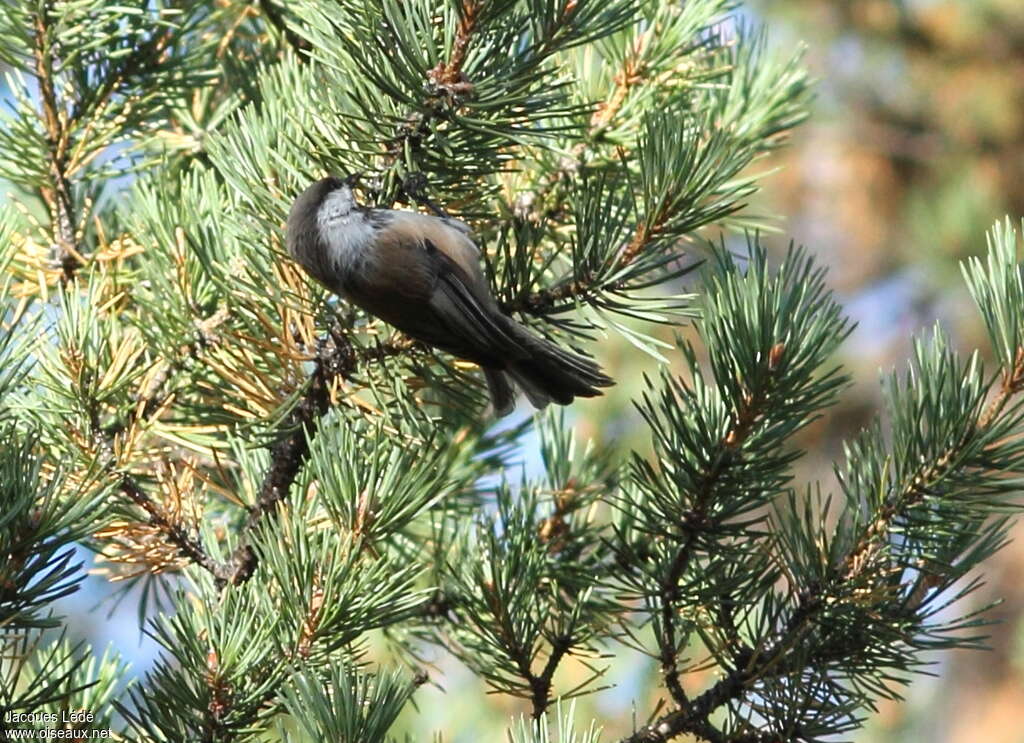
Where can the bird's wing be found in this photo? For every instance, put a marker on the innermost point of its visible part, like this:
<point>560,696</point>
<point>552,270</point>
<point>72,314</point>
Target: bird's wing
<point>427,282</point>
<point>457,302</point>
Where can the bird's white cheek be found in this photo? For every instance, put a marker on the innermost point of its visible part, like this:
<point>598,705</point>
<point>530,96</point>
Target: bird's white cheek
<point>348,242</point>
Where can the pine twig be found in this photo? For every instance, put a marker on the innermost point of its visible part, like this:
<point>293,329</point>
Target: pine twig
<point>739,431</point>
<point>173,532</point>
<point>59,124</point>
<point>897,503</point>
<point>541,685</point>
<point>693,718</point>
<point>187,546</point>
<point>448,75</point>
<point>58,196</point>
<point>447,81</point>
<point>543,301</point>
<point>335,359</point>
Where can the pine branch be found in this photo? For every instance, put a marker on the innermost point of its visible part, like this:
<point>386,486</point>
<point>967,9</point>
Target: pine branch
<point>102,439</point>
<point>88,101</point>
<point>449,73</point>
<point>542,302</point>
<point>58,196</point>
<point>629,77</point>
<point>695,717</point>
<point>777,660</point>
<point>172,531</point>
<point>668,728</point>
<point>541,684</point>
<point>446,78</point>
<point>750,411</point>
<point>669,654</point>
<point>143,57</point>
<point>335,359</point>
<point>191,548</point>
<point>929,473</point>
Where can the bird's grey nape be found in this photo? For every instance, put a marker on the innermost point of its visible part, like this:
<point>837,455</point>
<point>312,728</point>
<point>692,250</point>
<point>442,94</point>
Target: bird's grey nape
<point>337,204</point>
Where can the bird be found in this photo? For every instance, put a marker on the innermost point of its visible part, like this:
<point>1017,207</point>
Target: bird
<point>421,274</point>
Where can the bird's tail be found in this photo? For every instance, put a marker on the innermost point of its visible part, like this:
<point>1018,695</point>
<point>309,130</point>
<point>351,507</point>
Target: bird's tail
<point>503,394</point>
<point>548,374</point>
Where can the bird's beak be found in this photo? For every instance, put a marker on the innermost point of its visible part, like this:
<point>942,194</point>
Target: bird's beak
<point>353,180</point>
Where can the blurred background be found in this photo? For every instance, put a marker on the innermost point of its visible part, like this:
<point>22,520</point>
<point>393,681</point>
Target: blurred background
<point>914,147</point>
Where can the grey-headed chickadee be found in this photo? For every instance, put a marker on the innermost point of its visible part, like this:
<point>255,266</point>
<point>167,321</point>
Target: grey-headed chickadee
<point>422,275</point>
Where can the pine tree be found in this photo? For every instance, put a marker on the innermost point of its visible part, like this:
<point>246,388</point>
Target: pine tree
<point>309,500</point>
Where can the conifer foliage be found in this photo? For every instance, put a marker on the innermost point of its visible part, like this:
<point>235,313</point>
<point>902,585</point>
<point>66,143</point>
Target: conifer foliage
<point>306,500</point>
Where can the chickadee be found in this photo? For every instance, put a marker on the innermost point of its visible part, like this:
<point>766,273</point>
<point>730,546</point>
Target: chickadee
<point>422,275</point>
